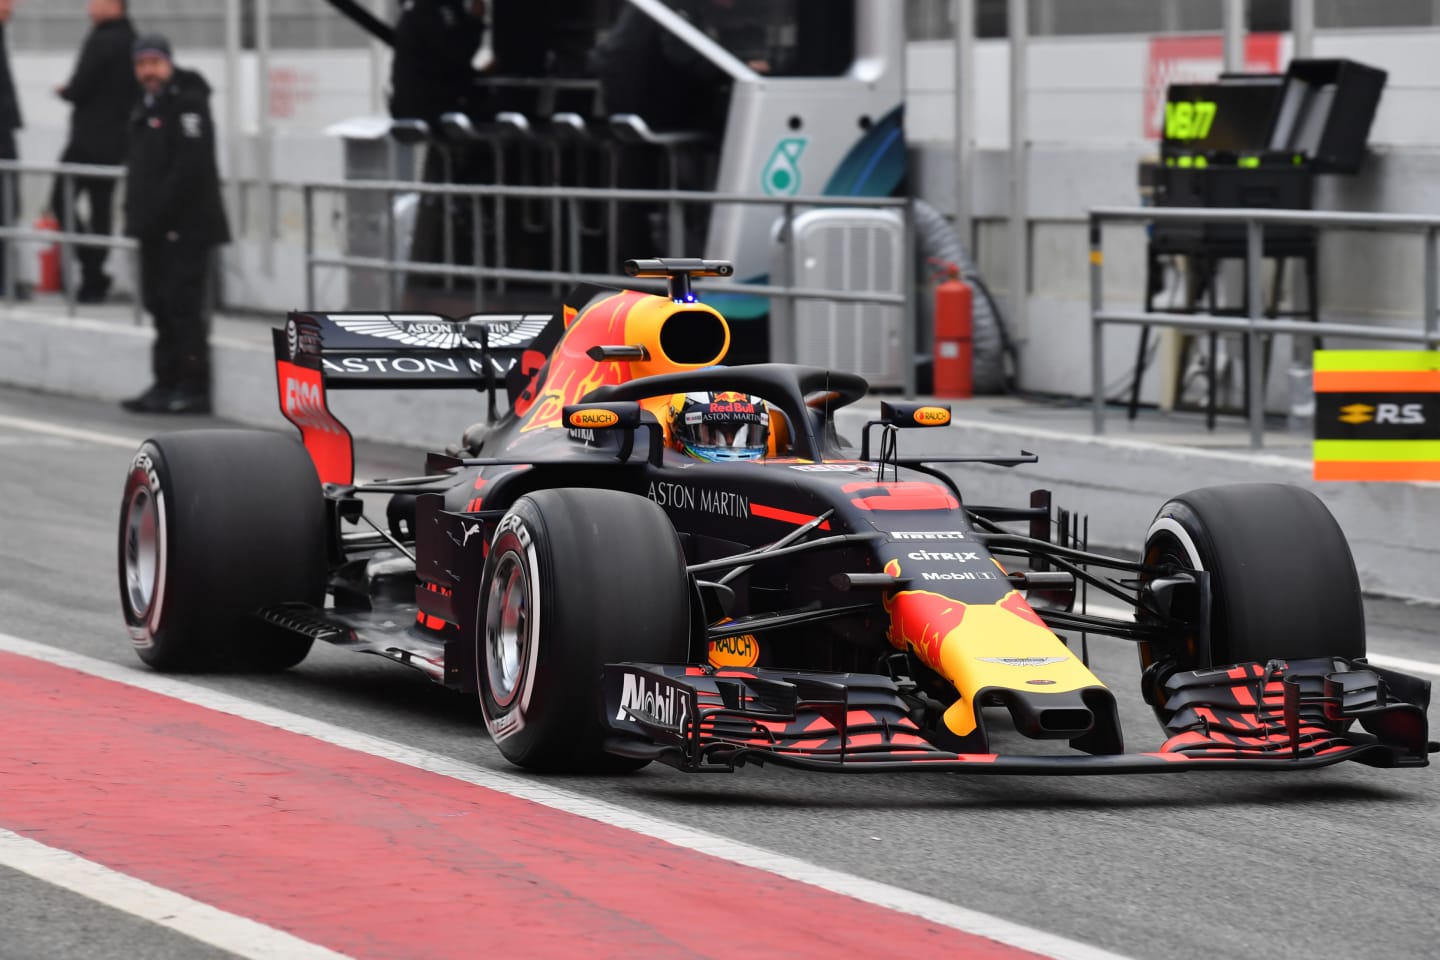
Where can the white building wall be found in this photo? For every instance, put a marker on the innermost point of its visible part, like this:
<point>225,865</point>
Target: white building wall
<point>1087,97</point>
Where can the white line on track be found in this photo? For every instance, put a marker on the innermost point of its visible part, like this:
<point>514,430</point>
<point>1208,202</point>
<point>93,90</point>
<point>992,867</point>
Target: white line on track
<point>33,441</point>
<point>69,433</point>
<point>870,891</point>
<point>177,912</point>
<point>1403,664</point>
<point>127,328</point>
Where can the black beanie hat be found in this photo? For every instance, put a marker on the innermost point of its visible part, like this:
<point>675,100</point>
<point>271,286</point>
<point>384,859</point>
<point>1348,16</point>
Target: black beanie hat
<point>151,43</point>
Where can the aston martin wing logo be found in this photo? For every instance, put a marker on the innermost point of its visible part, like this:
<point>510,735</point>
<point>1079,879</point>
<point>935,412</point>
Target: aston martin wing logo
<point>512,331</point>
<point>438,333</point>
<point>433,333</point>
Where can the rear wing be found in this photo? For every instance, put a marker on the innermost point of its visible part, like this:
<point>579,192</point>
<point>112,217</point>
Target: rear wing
<point>318,352</point>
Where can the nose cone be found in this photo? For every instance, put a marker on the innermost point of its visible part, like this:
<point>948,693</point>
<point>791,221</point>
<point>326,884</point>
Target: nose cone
<point>987,646</point>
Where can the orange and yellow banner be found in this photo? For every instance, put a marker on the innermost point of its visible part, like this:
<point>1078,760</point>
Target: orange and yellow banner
<point>1377,415</point>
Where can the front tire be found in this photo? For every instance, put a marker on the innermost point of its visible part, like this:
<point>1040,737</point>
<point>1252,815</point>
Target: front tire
<point>574,579</point>
<point>214,525</point>
<point>1283,582</point>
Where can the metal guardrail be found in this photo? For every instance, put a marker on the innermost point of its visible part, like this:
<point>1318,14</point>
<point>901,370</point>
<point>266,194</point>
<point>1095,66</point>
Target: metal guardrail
<point>67,236</point>
<point>572,197</point>
<point>394,268</point>
<point>1254,325</point>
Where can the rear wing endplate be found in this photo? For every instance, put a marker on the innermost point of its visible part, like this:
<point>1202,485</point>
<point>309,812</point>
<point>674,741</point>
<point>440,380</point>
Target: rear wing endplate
<point>318,352</point>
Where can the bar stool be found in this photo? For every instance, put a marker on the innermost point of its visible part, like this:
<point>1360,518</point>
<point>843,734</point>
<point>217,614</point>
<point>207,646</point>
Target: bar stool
<point>410,133</point>
<point>516,127</point>
<point>407,132</point>
<point>458,129</point>
<point>417,133</point>
<point>631,128</point>
<point>570,130</point>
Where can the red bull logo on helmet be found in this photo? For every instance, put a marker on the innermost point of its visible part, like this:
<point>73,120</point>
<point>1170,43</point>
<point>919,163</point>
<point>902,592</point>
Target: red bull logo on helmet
<point>732,407</point>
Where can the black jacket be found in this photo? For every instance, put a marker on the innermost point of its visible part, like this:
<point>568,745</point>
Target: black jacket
<point>644,69</point>
<point>103,91</point>
<point>9,102</point>
<point>173,184</point>
<point>435,41</point>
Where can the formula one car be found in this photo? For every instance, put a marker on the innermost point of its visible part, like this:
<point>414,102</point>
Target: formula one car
<point>619,581</point>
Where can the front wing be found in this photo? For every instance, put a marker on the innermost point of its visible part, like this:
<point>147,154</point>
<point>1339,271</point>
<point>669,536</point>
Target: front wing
<point>1275,716</point>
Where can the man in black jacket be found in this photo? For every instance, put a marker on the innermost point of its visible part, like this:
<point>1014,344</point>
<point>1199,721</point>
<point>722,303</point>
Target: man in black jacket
<point>174,208</point>
<point>646,70</point>
<point>9,123</point>
<point>435,44</point>
<point>103,91</point>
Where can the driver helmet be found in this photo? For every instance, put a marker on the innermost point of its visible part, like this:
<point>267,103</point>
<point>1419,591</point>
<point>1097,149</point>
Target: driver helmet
<point>720,426</point>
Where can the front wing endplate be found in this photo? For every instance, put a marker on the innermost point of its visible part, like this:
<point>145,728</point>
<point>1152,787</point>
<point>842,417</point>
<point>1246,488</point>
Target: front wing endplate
<point>1274,716</point>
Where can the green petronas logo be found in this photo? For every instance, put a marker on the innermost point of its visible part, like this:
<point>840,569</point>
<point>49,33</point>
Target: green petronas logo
<point>781,177</point>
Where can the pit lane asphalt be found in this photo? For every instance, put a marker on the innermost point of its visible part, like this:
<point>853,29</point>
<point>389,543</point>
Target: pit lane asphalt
<point>1331,863</point>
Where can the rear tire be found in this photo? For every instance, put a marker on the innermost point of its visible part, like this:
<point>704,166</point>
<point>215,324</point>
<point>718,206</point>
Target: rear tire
<point>575,578</point>
<point>214,525</point>
<point>1283,582</point>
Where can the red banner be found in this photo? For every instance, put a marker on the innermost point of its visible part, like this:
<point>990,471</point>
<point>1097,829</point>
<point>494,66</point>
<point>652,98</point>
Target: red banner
<point>1197,59</point>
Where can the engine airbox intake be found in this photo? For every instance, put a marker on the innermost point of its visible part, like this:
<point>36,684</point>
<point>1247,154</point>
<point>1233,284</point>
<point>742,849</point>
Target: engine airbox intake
<point>694,337</point>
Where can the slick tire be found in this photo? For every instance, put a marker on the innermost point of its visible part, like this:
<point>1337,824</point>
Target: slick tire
<point>1283,582</point>
<point>574,579</point>
<point>214,525</point>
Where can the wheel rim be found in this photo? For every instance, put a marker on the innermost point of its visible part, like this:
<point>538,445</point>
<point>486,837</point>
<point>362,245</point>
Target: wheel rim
<point>1169,543</point>
<point>1163,547</point>
<point>507,629</point>
<point>142,551</point>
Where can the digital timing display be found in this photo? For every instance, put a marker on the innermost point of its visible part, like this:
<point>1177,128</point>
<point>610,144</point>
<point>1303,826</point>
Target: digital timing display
<point>1234,115</point>
<point>1189,119</point>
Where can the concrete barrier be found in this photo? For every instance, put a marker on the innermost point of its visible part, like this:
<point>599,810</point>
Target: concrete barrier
<point>109,359</point>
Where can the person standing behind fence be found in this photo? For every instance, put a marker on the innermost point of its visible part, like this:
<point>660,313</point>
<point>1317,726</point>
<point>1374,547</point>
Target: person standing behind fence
<point>174,208</point>
<point>102,91</point>
<point>9,123</point>
<point>432,72</point>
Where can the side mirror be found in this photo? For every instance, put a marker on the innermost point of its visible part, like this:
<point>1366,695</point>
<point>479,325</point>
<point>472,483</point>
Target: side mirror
<point>905,415</point>
<point>901,415</point>
<point>621,415</point>
<point>624,415</point>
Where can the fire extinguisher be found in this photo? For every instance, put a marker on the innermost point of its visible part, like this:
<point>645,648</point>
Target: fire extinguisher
<point>47,274</point>
<point>954,335</point>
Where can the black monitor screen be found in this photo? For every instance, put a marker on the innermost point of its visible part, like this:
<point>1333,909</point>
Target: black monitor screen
<point>1234,115</point>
